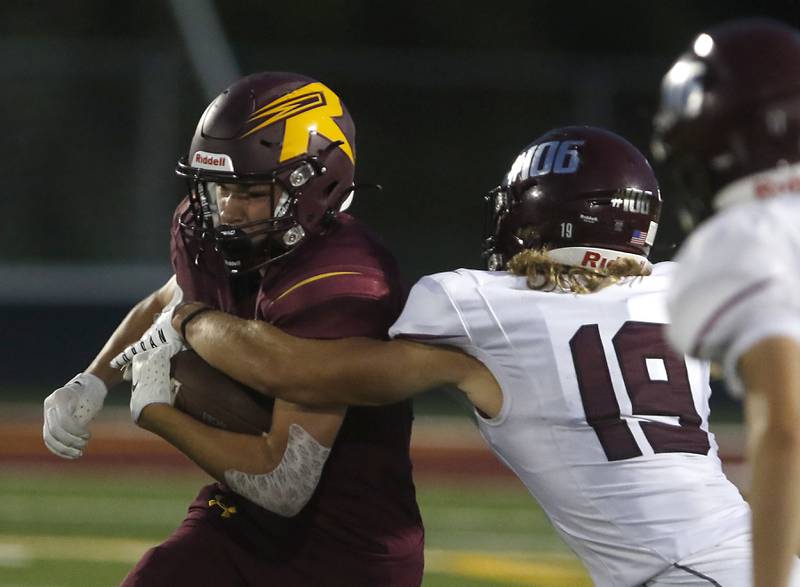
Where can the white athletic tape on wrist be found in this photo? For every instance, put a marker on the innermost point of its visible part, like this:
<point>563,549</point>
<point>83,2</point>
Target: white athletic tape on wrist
<point>286,489</point>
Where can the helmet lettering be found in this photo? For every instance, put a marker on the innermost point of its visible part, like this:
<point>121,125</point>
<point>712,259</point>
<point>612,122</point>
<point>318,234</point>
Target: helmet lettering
<point>567,159</point>
<point>633,200</point>
<point>590,259</point>
<point>594,260</point>
<point>307,110</point>
<point>768,188</point>
<point>212,161</point>
<point>559,157</point>
<point>542,162</point>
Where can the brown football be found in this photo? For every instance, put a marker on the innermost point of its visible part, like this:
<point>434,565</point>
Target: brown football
<point>210,396</point>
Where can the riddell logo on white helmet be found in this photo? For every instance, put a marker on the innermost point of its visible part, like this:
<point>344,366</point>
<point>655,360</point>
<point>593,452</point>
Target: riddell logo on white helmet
<point>784,179</point>
<point>768,188</point>
<point>592,258</point>
<point>212,161</point>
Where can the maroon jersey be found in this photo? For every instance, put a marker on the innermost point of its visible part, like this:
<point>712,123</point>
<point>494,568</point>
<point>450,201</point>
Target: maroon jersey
<point>363,519</point>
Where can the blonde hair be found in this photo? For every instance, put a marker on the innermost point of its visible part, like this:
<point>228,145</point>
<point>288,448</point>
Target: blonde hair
<point>544,274</point>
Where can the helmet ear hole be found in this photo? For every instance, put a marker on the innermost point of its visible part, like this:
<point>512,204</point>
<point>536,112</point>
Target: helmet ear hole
<point>526,234</point>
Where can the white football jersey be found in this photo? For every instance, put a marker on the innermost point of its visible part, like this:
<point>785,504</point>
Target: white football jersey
<point>602,421</point>
<point>739,282</point>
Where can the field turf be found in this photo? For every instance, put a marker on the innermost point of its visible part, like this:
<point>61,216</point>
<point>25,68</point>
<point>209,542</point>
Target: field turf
<point>86,529</point>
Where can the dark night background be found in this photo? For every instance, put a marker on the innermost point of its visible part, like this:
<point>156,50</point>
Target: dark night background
<point>100,98</point>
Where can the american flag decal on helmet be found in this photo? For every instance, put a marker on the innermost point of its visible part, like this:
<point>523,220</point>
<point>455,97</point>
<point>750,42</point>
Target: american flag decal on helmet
<point>638,238</point>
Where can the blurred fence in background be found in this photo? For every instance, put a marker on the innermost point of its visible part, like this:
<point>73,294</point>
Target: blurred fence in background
<point>101,98</point>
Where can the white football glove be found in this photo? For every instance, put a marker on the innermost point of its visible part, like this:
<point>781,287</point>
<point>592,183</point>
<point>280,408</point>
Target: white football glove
<point>68,411</point>
<point>151,381</point>
<point>161,334</point>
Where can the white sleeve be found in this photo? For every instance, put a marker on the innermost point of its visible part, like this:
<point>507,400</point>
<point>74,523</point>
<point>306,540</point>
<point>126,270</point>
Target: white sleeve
<point>733,288</point>
<point>431,315</point>
<point>286,489</point>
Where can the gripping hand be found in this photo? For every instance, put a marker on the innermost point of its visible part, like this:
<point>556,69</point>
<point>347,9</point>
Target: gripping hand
<point>161,334</point>
<point>67,413</point>
<point>151,382</point>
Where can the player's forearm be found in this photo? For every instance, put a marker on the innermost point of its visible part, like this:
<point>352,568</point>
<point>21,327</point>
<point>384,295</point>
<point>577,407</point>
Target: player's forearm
<point>129,330</point>
<point>318,372</point>
<point>213,449</point>
<point>239,348</point>
<point>776,508</point>
<point>771,373</point>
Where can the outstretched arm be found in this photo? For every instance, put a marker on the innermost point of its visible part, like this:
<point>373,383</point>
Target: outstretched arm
<point>69,409</point>
<point>771,374</point>
<point>359,371</point>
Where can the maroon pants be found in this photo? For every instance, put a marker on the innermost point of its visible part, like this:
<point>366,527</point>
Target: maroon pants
<point>206,551</point>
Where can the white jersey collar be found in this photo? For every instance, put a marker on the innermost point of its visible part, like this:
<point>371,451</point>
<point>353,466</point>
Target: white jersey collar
<point>777,181</point>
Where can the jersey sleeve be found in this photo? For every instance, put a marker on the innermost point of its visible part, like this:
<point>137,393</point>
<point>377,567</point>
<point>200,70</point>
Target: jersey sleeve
<point>731,290</point>
<point>431,315</point>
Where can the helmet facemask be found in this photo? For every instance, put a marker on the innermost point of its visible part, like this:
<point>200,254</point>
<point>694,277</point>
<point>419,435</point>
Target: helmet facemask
<point>496,208</point>
<point>254,244</point>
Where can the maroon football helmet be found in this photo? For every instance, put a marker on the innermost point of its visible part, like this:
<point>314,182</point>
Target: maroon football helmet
<point>585,194</point>
<point>270,128</point>
<point>730,108</point>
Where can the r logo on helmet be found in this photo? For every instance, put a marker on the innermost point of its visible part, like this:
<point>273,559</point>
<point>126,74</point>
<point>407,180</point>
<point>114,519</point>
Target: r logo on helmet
<point>307,110</point>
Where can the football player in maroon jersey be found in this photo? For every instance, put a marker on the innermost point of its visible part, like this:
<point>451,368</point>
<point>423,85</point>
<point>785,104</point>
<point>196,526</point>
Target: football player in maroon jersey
<point>263,236</point>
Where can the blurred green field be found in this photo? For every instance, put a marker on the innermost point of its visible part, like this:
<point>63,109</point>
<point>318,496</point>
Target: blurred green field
<point>88,529</point>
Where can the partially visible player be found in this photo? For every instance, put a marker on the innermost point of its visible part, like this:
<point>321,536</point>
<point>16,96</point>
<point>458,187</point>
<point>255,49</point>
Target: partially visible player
<point>729,131</point>
<point>262,236</point>
<point>564,359</point>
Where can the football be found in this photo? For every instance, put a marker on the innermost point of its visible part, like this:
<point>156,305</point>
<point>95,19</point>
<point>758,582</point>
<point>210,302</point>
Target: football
<point>212,397</point>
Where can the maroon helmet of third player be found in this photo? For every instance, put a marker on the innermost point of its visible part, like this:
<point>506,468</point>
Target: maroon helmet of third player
<point>270,128</point>
<point>585,194</point>
<point>730,108</point>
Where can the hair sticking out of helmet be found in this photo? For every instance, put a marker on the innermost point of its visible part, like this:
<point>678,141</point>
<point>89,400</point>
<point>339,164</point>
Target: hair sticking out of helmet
<point>584,195</point>
<point>729,109</point>
<point>269,129</point>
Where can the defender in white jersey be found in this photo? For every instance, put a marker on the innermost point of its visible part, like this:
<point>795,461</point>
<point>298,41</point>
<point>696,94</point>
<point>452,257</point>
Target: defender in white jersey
<point>606,426</point>
<point>565,362</point>
<point>729,130</point>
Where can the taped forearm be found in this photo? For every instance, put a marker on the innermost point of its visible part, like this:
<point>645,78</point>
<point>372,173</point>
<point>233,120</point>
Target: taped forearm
<point>137,321</point>
<point>286,489</point>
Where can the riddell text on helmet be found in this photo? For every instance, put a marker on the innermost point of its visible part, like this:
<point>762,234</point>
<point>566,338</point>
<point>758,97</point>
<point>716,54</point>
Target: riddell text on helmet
<point>205,160</point>
<point>591,259</point>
